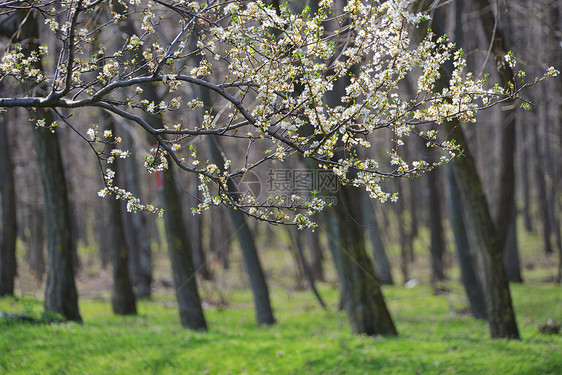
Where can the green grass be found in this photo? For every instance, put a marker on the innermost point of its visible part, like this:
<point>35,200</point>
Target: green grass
<point>307,340</point>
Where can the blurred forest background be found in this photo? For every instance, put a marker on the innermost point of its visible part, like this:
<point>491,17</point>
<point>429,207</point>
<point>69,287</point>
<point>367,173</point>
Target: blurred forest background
<point>415,240</point>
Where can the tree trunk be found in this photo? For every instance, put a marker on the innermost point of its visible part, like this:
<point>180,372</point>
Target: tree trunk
<point>8,227</point>
<point>472,285</point>
<point>137,225</point>
<point>540,175</point>
<point>195,229</point>
<point>524,170</point>
<point>185,282</point>
<point>306,267</point>
<point>501,316</point>
<point>381,263</point>
<point>404,236</point>
<point>511,260</point>
<point>316,256</point>
<point>359,286</point>
<point>36,246</point>
<point>123,300</point>
<point>60,291</point>
<point>295,247</point>
<point>264,312</point>
<point>179,249</point>
<point>101,228</point>
<point>437,247</point>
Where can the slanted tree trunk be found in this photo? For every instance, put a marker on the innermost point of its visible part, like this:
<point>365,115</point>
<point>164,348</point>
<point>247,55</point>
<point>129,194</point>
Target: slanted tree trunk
<point>179,249</point>
<point>264,312</point>
<point>501,315</point>
<point>307,272</point>
<point>8,227</point>
<point>381,263</point>
<point>360,290</point>
<point>504,209</point>
<point>295,247</point>
<point>472,284</point>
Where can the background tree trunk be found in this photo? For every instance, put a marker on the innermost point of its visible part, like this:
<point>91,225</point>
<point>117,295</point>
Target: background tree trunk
<point>60,291</point>
<point>8,227</point>
<point>185,282</point>
<point>437,247</point>
<point>359,286</point>
<point>472,284</point>
<point>511,260</point>
<point>139,236</point>
<point>264,312</point>
<point>501,315</point>
<point>382,265</point>
<point>123,300</point>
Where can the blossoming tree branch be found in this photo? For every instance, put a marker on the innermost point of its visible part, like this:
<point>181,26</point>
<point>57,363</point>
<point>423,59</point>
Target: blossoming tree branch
<point>273,70</point>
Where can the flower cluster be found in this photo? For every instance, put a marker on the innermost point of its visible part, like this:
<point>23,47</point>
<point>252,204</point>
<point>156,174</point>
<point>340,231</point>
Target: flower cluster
<point>323,84</point>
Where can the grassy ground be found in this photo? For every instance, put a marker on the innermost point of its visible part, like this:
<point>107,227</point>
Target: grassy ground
<point>435,336</point>
<point>434,339</point>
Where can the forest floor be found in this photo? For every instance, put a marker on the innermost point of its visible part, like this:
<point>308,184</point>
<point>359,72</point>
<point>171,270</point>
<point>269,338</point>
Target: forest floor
<point>437,336</point>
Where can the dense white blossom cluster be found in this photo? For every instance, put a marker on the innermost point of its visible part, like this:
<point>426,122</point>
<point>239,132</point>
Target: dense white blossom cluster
<point>276,77</point>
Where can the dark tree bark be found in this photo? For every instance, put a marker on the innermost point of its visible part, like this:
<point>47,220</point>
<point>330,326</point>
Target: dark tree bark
<point>307,272</point>
<point>404,236</point>
<point>511,260</point>
<point>360,290</point>
<point>501,315</point>
<point>179,249</point>
<point>472,284</point>
<point>504,207</point>
<point>195,229</point>
<point>102,227</point>
<point>489,240</point>
<point>185,282</point>
<point>295,246</point>
<point>316,256</point>
<point>264,312</point>
<point>524,171</point>
<point>381,263</point>
<point>8,227</point>
<point>135,223</point>
<point>60,290</point>
<point>540,175</point>
<point>437,247</point>
<point>123,300</point>
<point>36,246</point>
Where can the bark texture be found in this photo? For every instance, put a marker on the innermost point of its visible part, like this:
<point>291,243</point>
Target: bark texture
<point>360,290</point>
<point>185,282</point>
<point>8,227</point>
